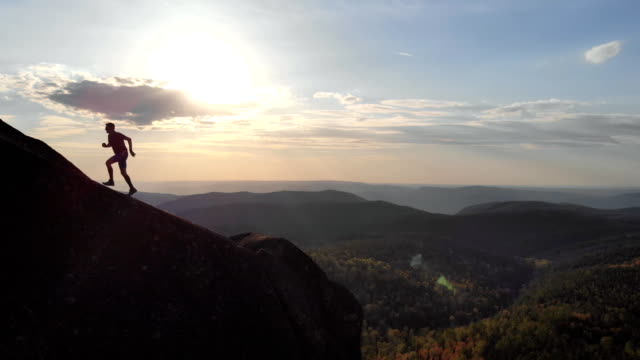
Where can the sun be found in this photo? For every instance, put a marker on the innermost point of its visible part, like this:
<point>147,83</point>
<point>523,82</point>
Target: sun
<point>209,65</point>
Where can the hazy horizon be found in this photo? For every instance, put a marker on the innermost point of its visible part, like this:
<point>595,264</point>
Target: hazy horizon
<point>491,93</point>
<point>263,186</point>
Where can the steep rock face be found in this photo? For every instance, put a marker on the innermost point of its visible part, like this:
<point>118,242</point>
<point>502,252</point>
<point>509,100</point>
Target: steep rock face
<point>300,283</point>
<point>90,273</point>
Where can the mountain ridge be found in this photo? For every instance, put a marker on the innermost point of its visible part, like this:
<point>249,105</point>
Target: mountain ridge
<point>197,201</point>
<point>530,206</point>
<point>519,228</point>
<point>434,199</point>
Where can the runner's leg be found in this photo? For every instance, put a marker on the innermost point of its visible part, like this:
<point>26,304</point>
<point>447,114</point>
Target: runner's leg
<point>110,170</point>
<point>123,171</point>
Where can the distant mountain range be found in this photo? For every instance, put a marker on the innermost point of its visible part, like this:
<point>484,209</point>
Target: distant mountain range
<point>511,207</point>
<point>290,198</point>
<point>444,200</point>
<point>313,219</point>
<point>155,198</point>
<point>451,200</point>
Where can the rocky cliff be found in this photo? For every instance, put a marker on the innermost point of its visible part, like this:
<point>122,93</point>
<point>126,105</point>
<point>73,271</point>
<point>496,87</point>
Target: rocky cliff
<point>90,273</point>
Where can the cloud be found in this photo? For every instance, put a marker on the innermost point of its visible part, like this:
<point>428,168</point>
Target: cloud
<point>424,103</point>
<point>570,132</point>
<point>527,125</point>
<point>404,54</point>
<point>373,109</point>
<point>603,53</point>
<point>344,99</point>
<point>139,104</point>
<point>393,123</point>
<point>3,81</point>
<point>531,109</point>
<point>53,127</point>
<point>132,100</point>
<point>379,109</point>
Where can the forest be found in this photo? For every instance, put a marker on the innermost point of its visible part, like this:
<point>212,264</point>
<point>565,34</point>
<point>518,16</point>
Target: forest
<point>425,301</point>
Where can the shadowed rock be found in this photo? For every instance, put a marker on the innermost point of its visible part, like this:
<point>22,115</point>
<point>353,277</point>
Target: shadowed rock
<point>299,282</point>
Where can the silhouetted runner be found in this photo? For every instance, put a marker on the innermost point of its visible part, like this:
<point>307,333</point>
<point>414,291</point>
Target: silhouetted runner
<point>116,142</point>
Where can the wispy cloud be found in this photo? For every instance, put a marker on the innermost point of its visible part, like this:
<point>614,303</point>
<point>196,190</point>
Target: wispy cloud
<point>532,125</point>
<point>3,83</point>
<point>575,130</point>
<point>373,109</point>
<point>53,127</point>
<point>424,103</point>
<point>532,109</point>
<point>602,53</point>
<point>400,123</point>
<point>404,54</point>
<point>342,98</point>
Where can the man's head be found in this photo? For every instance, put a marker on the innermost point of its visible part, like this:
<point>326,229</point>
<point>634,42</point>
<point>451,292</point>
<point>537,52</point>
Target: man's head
<point>110,127</point>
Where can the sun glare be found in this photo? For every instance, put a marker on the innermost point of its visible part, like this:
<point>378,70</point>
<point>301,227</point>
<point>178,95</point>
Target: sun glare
<point>209,65</point>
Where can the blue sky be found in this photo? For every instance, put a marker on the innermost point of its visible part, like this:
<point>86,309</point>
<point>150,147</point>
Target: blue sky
<point>447,92</point>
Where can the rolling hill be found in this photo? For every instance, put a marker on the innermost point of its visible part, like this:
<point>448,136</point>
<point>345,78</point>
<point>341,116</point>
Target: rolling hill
<point>509,228</point>
<point>200,201</point>
<point>435,199</point>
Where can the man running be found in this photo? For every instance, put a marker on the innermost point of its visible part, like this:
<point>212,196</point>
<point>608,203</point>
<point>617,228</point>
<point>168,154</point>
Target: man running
<point>116,142</point>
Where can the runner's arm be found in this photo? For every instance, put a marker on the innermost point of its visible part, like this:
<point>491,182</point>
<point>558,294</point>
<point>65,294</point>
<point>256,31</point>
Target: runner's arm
<point>130,146</point>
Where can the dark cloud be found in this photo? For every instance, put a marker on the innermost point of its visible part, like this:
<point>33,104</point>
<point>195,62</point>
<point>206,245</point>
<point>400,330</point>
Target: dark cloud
<point>140,104</point>
<point>124,81</point>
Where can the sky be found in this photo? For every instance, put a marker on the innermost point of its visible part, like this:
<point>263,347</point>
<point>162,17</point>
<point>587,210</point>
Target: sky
<point>528,93</point>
